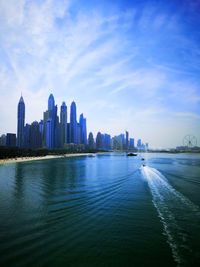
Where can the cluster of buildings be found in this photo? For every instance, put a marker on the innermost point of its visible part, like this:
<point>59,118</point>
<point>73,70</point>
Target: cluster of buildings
<point>56,132</point>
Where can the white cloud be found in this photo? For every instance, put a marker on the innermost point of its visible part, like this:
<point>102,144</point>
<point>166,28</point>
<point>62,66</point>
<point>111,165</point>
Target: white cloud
<point>100,61</point>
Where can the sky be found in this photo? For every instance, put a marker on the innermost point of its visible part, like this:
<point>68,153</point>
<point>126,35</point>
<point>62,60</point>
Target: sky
<point>128,65</point>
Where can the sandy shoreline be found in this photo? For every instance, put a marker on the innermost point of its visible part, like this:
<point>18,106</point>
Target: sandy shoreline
<point>22,159</point>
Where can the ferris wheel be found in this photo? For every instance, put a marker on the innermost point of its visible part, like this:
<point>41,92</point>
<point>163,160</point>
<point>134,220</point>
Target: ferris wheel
<point>190,140</point>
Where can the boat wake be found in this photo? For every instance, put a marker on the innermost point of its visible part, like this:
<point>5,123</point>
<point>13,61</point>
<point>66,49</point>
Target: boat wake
<point>180,218</point>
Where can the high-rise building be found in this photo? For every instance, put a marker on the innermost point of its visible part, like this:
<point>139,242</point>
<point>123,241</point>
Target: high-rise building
<point>78,133</point>
<point>68,133</point>
<point>147,146</point>
<point>139,144</point>
<point>35,135</point>
<point>3,140</point>
<point>116,143</point>
<point>91,141</point>
<point>73,124</point>
<point>27,136</point>
<point>20,123</point>
<point>51,102</point>
<point>127,141</point>
<point>11,140</point>
<point>63,124</point>
<point>83,129</point>
<point>49,133</point>
<point>41,127</point>
<point>107,141</point>
<point>103,141</point>
<point>45,118</point>
<point>99,141</point>
<point>53,125</point>
<point>123,138</point>
<point>132,143</point>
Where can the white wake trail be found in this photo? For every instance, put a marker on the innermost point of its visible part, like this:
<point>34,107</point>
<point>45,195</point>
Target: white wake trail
<point>180,217</point>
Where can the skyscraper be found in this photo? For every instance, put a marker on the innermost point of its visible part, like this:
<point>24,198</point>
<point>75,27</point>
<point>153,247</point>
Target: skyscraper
<point>51,102</point>
<point>20,123</point>
<point>73,124</point>
<point>132,143</point>
<point>99,141</point>
<point>91,141</point>
<point>11,140</point>
<point>27,136</point>
<point>139,144</point>
<point>63,124</point>
<point>127,141</point>
<point>107,141</point>
<point>3,140</point>
<point>49,133</point>
<point>35,135</point>
<point>51,117</point>
<point>83,130</point>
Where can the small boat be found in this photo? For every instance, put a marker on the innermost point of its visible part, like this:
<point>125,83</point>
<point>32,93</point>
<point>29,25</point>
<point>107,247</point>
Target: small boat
<point>131,155</point>
<point>143,165</point>
<point>142,158</point>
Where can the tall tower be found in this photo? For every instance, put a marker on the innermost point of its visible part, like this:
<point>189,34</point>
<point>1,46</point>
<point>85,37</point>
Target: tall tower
<point>82,122</point>
<point>51,102</point>
<point>63,124</point>
<point>91,141</point>
<point>73,124</point>
<point>51,125</point>
<point>20,123</point>
<point>99,141</point>
<point>127,141</point>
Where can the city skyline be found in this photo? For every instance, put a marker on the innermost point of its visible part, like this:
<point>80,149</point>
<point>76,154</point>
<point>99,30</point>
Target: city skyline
<point>53,131</point>
<point>136,62</point>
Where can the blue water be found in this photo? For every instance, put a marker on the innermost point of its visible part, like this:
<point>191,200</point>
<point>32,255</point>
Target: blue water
<point>106,210</point>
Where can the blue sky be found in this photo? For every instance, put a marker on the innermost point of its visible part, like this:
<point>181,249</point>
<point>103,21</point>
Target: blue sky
<point>129,65</point>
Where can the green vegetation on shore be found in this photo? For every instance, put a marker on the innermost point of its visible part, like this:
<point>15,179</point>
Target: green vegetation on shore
<point>16,153</point>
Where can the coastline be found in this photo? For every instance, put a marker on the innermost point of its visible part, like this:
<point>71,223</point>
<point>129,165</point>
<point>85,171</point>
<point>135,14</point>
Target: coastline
<point>23,159</point>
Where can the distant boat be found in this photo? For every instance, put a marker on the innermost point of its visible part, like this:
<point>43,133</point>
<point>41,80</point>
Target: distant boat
<point>143,165</point>
<point>142,158</point>
<point>131,155</point>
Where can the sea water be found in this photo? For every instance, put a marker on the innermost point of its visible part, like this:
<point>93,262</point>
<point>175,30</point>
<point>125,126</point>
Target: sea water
<point>106,210</point>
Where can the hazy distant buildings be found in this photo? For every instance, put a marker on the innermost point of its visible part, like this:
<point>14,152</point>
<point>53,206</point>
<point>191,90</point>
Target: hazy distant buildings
<point>116,143</point>
<point>99,141</point>
<point>20,123</point>
<point>107,141</point>
<point>139,144</point>
<point>132,145</point>
<point>91,141</point>
<point>123,138</point>
<point>146,146</point>
<point>127,141</point>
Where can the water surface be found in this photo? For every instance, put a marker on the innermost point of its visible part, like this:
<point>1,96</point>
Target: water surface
<point>101,211</point>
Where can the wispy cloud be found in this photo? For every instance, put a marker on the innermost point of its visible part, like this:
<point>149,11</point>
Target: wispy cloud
<point>125,67</point>
<point>187,115</point>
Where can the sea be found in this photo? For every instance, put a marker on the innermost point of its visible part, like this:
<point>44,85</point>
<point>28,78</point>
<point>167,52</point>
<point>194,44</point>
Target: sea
<point>101,210</point>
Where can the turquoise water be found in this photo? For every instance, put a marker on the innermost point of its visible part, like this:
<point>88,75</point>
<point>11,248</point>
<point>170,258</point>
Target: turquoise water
<point>101,211</point>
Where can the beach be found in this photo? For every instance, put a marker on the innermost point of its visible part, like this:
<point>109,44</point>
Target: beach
<point>23,159</point>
